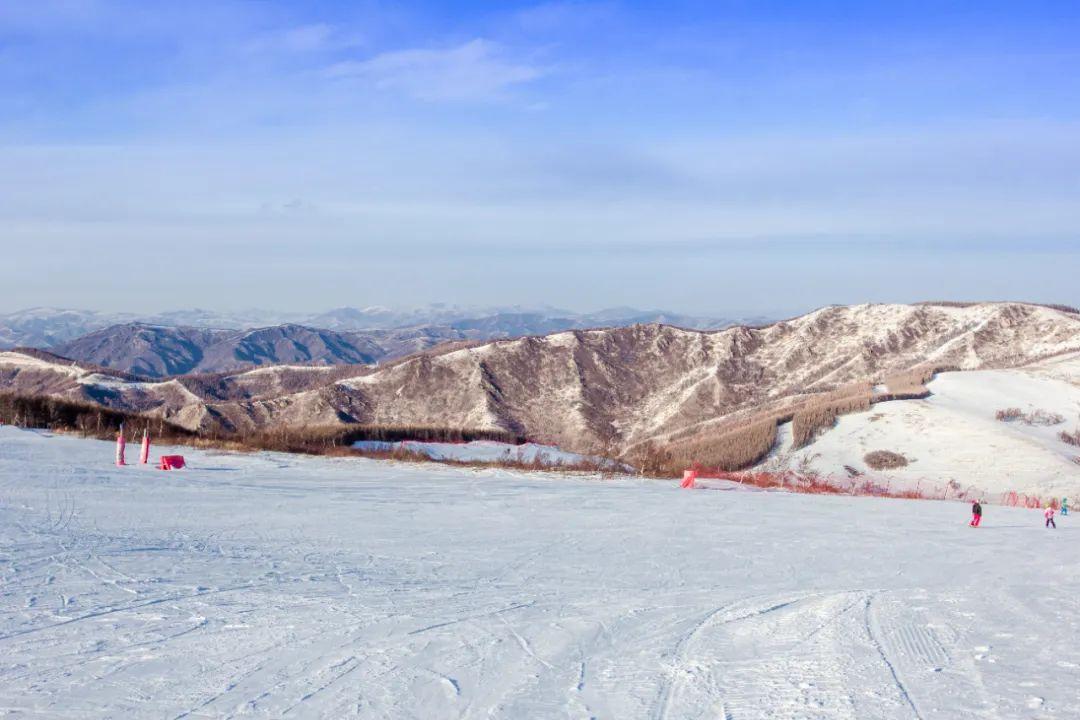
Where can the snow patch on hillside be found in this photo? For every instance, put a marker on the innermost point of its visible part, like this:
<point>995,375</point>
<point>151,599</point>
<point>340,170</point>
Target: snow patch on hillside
<point>26,362</point>
<point>114,383</point>
<point>371,379</point>
<point>953,436</point>
<point>277,369</point>
<point>562,339</point>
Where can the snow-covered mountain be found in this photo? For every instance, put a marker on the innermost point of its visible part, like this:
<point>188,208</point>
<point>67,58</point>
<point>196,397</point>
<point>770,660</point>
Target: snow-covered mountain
<point>49,327</point>
<point>515,321</point>
<point>612,390</point>
<point>200,341</point>
<point>381,318</point>
<point>45,327</point>
<point>239,320</point>
<point>158,350</point>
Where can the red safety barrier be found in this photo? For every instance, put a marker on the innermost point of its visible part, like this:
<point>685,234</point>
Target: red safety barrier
<point>1035,502</point>
<point>144,453</point>
<point>860,484</point>
<point>171,462</point>
<point>688,478</point>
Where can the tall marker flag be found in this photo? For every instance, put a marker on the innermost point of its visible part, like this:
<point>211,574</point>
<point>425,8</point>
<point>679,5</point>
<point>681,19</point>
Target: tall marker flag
<point>120,448</point>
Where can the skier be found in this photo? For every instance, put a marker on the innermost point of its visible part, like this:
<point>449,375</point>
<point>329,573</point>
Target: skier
<point>1064,506</point>
<point>976,514</point>
<point>1049,515</point>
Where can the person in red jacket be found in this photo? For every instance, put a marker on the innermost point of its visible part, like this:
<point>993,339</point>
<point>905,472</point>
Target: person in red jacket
<point>976,514</point>
<point>1049,515</point>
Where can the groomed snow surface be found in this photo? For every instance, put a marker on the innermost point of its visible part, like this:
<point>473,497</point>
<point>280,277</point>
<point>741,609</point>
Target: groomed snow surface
<point>485,451</point>
<point>954,436</point>
<point>280,586</point>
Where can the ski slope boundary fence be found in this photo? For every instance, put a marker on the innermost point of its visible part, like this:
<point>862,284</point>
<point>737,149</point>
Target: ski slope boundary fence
<point>870,486</point>
<point>1014,499</point>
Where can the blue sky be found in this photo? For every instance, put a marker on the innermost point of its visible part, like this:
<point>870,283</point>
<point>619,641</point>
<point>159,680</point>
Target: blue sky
<point>746,157</point>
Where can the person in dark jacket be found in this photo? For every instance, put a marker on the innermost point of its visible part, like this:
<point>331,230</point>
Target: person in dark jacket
<point>976,514</point>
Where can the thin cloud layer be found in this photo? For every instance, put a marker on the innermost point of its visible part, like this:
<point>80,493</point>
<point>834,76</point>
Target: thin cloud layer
<point>614,152</point>
<point>475,70</point>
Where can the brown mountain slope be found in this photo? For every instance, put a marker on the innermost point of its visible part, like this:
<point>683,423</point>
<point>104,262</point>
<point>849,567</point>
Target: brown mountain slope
<point>592,389</point>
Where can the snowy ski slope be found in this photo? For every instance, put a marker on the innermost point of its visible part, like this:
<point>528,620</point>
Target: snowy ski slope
<point>486,451</point>
<point>278,586</point>
<point>953,435</point>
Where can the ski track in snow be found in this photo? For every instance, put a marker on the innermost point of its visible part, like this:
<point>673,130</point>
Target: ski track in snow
<point>269,586</point>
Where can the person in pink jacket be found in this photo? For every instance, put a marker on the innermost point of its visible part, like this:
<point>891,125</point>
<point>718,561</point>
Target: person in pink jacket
<point>1049,515</point>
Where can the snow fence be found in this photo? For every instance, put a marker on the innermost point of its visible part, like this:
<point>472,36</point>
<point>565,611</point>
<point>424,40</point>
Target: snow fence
<point>864,484</point>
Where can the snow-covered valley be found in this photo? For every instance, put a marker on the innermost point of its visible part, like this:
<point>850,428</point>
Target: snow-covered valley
<point>268,585</point>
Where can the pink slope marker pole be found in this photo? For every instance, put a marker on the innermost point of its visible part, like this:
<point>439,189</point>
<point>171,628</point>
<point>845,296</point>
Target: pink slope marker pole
<point>144,454</point>
<point>120,448</point>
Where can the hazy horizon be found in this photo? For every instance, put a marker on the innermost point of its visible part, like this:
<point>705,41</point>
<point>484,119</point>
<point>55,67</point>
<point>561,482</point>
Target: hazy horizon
<point>724,158</point>
<point>286,315</point>
<point>480,309</point>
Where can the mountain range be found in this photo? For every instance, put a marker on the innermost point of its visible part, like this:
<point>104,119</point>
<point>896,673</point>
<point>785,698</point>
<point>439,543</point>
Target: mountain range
<point>199,341</point>
<point>586,390</point>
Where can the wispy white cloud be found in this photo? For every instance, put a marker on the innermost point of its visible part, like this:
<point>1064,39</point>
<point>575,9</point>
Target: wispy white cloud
<point>209,124</point>
<point>563,16</point>
<point>476,70</point>
<point>311,38</point>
